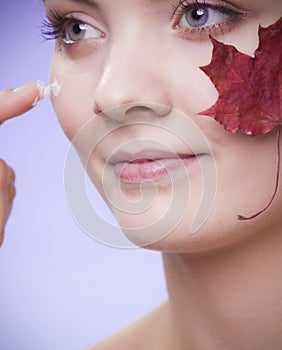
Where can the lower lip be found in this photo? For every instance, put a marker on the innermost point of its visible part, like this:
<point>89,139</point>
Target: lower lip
<point>149,170</point>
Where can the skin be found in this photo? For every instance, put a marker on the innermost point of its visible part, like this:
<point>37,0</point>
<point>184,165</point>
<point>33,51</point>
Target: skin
<point>13,102</point>
<point>224,281</point>
<point>97,77</point>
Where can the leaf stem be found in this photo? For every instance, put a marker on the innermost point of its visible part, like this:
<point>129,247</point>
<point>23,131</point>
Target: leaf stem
<point>241,217</point>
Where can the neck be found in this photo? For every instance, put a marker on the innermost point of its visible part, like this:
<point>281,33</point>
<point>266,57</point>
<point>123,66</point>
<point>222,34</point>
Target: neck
<point>229,299</point>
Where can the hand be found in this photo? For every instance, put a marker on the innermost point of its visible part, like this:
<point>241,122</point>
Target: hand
<point>7,194</point>
<point>14,103</point>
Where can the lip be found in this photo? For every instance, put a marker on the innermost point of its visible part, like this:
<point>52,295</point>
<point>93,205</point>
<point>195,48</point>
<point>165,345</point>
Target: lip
<point>148,165</point>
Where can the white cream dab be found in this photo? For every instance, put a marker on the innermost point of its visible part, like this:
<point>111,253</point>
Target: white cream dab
<point>52,90</point>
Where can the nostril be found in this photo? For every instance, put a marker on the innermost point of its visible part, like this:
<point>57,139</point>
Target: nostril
<point>138,109</point>
<point>97,110</point>
<point>131,111</point>
<point>155,108</point>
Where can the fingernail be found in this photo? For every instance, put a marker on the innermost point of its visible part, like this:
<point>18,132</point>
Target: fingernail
<point>19,88</point>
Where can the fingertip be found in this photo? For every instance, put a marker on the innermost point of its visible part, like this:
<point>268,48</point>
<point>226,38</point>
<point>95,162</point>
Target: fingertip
<point>42,89</point>
<point>14,102</point>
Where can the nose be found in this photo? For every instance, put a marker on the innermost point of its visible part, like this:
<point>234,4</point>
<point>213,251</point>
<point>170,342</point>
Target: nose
<point>132,80</point>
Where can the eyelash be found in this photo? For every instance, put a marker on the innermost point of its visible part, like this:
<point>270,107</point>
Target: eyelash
<point>235,17</point>
<point>184,5</point>
<point>54,26</point>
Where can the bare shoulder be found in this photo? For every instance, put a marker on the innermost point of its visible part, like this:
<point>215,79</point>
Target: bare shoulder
<point>146,333</point>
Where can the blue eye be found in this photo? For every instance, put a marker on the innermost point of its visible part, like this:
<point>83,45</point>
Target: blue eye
<point>198,19</point>
<point>77,31</point>
<point>68,29</point>
<point>203,16</point>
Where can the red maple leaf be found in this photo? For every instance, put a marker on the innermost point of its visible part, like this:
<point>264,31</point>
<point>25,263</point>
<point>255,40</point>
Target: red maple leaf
<point>250,88</point>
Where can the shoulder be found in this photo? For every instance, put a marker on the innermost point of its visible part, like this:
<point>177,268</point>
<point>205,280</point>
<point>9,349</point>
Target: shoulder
<point>143,334</point>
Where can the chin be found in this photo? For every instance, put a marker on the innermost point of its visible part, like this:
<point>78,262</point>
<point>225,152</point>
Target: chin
<point>217,234</point>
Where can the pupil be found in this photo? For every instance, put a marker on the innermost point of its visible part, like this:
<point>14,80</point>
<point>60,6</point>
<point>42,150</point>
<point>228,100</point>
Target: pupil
<point>197,17</point>
<point>76,28</point>
<point>198,14</point>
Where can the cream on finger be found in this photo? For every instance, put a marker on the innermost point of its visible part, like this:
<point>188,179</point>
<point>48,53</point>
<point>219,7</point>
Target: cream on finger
<point>51,90</point>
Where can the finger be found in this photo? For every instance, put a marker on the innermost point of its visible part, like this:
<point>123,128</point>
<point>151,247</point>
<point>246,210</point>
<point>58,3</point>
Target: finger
<point>4,197</point>
<point>11,193</point>
<point>5,172</point>
<point>16,102</point>
<point>11,196</point>
<point>4,210</point>
<point>12,175</point>
<point>7,194</point>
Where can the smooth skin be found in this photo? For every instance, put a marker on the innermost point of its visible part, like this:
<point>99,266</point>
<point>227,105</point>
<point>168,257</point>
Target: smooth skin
<point>225,282</point>
<point>13,103</point>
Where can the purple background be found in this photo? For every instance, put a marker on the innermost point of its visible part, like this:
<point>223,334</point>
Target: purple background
<point>59,289</point>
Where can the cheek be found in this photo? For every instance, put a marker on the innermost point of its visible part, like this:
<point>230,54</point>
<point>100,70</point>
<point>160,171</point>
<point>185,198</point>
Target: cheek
<point>190,88</point>
<point>74,105</point>
<point>246,175</point>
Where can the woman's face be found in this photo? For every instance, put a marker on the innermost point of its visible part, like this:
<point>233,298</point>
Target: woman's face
<point>131,89</point>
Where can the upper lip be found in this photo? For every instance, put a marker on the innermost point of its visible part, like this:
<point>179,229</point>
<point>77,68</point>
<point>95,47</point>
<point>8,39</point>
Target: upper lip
<point>122,156</point>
